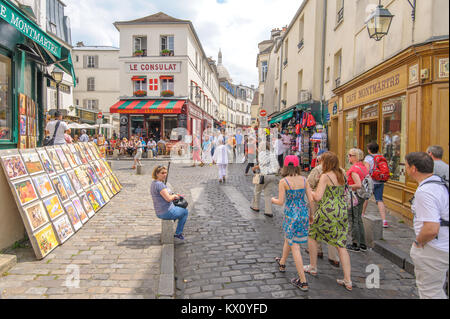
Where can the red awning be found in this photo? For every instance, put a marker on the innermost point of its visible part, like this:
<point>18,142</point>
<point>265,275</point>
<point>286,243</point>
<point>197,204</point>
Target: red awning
<point>165,77</point>
<point>148,106</point>
<point>138,78</point>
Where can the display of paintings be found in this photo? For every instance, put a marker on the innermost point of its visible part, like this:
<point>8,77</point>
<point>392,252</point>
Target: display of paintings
<point>64,162</point>
<point>53,206</point>
<point>89,153</point>
<point>23,125</point>
<point>80,210</point>
<point>33,143</point>
<point>103,192</point>
<point>98,169</point>
<point>55,159</point>
<point>22,142</point>
<point>106,166</point>
<point>91,173</point>
<point>94,151</point>
<point>14,166</point>
<point>75,182</point>
<point>81,153</point>
<point>98,196</point>
<point>25,191</point>
<point>36,215</point>
<point>114,183</point>
<point>46,162</point>
<point>69,156</point>
<point>86,205</point>
<point>32,162</point>
<point>75,155</point>
<point>67,185</point>
<point>73,216</point>
<point>82,177</point>
<point>59,186</point>
<point>22,104</point>
<point>92,200</point>
<point>63,228</point>
<point>110,185</point>
<point>46,240</point>
<point>117,181</point>
<point>43,185</point>
<point>107,189</point>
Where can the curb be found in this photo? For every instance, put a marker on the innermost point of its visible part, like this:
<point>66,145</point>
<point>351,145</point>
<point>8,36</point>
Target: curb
<point>166,284</point>
<point>7,262</point>
<point>395,255</point>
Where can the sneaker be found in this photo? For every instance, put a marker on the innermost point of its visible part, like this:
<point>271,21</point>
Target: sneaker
<point>180,236</point>
<point>363,248</point>
<point>385,224</point>
<point>353,247</point>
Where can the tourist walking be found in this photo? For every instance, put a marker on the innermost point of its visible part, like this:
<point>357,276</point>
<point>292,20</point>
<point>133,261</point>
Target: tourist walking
<point>163,201</point>
<point>440,167</point>
<point>330,221</point>
<point>138,146</point>
<point>56,130</point>
<point>429,205</point>
<point>294,189</point>
<point>355,176</point>
<point>251,153</point>
<point>196,149</point>
<point>206,151</point>
<point>221,159</point>
<point>240,154</point>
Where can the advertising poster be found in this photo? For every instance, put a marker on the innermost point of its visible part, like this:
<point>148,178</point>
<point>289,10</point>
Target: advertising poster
<point>80,210</point>
<point>32,162</point>
<point>46,162</point>
<point>86,205</point>
<point>59,187</point>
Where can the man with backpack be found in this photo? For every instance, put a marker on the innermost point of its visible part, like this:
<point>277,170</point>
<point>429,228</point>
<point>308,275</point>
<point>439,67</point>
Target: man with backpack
<point>378,169</point>
<point>429,205</point>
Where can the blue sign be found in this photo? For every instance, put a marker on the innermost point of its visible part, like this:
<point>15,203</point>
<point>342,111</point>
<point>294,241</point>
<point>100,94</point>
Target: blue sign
<point>328,117</point>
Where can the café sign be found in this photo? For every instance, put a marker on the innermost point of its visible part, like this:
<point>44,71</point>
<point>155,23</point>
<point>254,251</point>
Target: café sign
<point>151,67</point>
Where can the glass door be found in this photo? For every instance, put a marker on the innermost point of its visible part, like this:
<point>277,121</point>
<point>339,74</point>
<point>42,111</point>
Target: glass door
<point>368,134</point>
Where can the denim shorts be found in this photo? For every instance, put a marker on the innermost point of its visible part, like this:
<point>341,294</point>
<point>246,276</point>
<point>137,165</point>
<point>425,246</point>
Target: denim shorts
<point>378,192</point>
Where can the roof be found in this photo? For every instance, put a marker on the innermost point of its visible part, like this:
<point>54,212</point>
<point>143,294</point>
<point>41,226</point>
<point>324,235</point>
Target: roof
<point>95,48</point>
<point>159,17</point>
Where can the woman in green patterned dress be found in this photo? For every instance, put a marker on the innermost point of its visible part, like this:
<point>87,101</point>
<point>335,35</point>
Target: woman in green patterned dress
<point>330,222</point>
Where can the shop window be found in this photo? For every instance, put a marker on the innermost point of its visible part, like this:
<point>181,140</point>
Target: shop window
<point>394,136</point>
<point>137,124</point>
<point>170,123</point>
<point>351,138</point>
<point>5,98</point>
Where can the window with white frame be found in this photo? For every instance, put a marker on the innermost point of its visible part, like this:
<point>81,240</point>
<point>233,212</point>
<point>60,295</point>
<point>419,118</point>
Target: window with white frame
<point>140,45</point>
<point>167,84</point>
<point>339,11</point>
<point>92,61</point>
<point>167,44</point>
<point>263,71</point>
<point>91,84</point>
<point>140,85</point>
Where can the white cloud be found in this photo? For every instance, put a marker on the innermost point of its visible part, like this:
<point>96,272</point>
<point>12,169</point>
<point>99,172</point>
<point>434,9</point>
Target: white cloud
<point>235,26</point>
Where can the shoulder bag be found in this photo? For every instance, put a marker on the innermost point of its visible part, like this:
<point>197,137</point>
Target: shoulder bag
<point>51,141</point>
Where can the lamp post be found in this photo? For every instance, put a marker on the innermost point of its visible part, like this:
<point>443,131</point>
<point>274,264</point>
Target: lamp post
<point>57,75</point>
<point>379,22</point>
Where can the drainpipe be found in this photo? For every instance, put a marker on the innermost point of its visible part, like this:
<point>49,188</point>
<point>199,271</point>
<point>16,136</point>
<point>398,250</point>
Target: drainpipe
<point>281,75</point>
<point>322,76</point>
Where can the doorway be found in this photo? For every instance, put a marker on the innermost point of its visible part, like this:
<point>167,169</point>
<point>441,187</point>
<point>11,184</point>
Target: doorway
<point>368,134</point>
<point>151,129</point>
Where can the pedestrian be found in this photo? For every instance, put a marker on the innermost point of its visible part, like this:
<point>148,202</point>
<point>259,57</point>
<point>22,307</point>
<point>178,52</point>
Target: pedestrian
<point>355,176</point>
<point>279,150</point>
<point>61,127</point>
<point>294,189</point>
<point>330,221</point>
<point>267,165</point>
<point>313,181</point>
<point>152,146</point>
<point>440,167</point>
<point>231,144</point>
<point>378,186</point>
<point>84,137</point>
<point>239,138</point>
<point>251,153</point>
<point>429,205</point>
<point>196,149</point>
<point>131,146</point>
<point>163,201</point>
<point>138,155</point>
<point>206,151</point>
<point>221,159</point>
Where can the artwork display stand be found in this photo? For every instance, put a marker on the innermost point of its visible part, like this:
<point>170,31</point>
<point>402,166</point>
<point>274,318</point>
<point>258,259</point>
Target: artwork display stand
<point>58,189</point>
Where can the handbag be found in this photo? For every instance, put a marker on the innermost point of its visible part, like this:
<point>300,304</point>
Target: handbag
<point>181,202</point>
<point>258,179</point>
<point>51,141</point>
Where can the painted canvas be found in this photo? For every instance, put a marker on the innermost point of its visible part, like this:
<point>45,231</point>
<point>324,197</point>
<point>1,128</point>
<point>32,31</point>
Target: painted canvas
<point>80,210</point>
<point>59,186</point>
<point>93,200</point>
<point>87,152</point>
<point>63,228</point>
<point>46,162</point>
<point>46,240</point>
<point>103,192</point>
<point>82,177</point>
<point>22,104</point>
<point>32,162</point>
<point>86,205</point>
<point>53,206</point>
<point>64,162</point>
<point>67,185</point>
<point>106,165</point>
<point>117,181</point>
<point>96,166</point>
<point>91,173</point>
<point>25,191</point>
<point>22,142</point>
<point>114,183</point>
<point>14,166</point>
<point>75,182</point>
<point>81,153</point>
<point>107,189</point>
<point>55,159</point>
<point>73,216</point>
<point>110,185</point>
<point>43,185</point>
<point>69,155</point>
<point>36,215</point>
<point>23,125</point>
<point>98,195</point>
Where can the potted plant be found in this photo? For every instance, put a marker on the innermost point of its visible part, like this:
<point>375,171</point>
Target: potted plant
<point>138,52</point>
<point>167,93</point>
<point>140,93</point>
<point>166,52</point>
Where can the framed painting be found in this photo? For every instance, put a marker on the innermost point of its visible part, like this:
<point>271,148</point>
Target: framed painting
<point>117,181</point>
<point>64,162</point>
<point>69,156</point>
<point>114,183</point>
<point>46,162</point>
<point>74,153</point>
<point>36,215</point>
<point>91,173</point>
<point>32,161</point>
<point>103,192</point>
<point>98,196</point>
<point>106,166</point>
<point>43,185</point>
<point>22,142</point>
<point>14,166</point>
<point>25,191</point>
<point>110,185</point>
<point>96,166</point>
<point>86,205</point>
<point>86,151</point>
<point>107,189</point>
<point>80,210</point>
<point>73,216</point>
<point>82,177</point>
<point>63,228</point>
<point>53,206</point>
<point>67,185</point>
<point>23,125</point>
<point>60,189</point>
<point>92,151</point>
<point>93,200</point>
<point>54,158</point>
<point>22,104</point>
<point>75,182</point>
<point>81,153</point>
<point>46,240</point>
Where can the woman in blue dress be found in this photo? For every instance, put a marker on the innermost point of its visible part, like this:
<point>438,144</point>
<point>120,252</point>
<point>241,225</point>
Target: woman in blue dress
<point>293,188</point>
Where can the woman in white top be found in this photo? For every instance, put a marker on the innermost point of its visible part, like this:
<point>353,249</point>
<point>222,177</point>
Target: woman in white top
<point>221,159</point>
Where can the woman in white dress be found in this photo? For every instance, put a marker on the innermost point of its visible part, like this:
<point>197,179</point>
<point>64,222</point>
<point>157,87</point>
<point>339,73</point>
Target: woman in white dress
<point>221,159</point>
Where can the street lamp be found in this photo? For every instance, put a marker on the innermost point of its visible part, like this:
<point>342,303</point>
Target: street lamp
<point>379,22</point>
<point>57,75</point>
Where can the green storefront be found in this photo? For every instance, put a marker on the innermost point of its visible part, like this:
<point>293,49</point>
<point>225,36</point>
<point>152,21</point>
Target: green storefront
<point>25,53</point>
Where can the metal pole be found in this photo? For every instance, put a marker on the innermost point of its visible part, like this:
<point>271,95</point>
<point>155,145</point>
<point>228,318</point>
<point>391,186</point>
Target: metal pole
<point>57,96</point>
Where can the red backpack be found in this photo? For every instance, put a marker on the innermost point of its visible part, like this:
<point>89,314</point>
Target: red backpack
<point>380,171</point>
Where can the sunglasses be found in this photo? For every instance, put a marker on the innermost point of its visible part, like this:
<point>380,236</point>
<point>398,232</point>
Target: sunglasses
<point>351,155</point>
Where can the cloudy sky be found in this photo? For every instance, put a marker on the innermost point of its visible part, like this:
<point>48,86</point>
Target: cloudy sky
<point>234,26</point>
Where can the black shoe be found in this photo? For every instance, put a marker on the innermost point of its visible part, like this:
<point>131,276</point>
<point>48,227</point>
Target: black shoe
<point>254,209</point>
<point>363,247</point>
<point>353,247</point>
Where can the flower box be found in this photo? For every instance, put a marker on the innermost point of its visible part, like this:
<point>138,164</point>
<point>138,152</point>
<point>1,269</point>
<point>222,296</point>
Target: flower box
<point>167,93</point>
<point>138,53</point>
<point>167,52</point>
<point>140,93</point>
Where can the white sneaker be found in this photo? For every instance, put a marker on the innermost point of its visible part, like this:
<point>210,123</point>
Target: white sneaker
<point>385,224</point>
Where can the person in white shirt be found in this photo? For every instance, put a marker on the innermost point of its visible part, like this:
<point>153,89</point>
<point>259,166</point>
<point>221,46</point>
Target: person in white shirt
<point>221,159</point>
<point>440,167</point>
<point>429,205</point>
<point>63,128</point>
<point>279,150</point>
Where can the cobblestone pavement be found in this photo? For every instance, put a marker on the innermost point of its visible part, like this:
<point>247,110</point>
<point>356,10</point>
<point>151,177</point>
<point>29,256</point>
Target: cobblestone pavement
<point>229,250</point>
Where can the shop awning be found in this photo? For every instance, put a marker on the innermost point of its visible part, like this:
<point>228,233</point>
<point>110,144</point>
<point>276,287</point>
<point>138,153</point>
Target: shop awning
<point>138,78</point>
<point>148,106</point>
<point>282,117</point>
<point>52,52</point>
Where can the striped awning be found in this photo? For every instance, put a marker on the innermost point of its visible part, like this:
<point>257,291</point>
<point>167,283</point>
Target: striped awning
<point>138,78</point>
<point>148,106</point>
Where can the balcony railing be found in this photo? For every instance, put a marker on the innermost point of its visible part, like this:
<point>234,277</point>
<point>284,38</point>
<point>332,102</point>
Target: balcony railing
<point>285,62</point>
<point>340,16</point>
<point>300,44</point>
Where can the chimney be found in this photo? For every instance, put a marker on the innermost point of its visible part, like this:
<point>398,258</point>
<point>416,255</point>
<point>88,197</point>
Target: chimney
<point>80,44</point>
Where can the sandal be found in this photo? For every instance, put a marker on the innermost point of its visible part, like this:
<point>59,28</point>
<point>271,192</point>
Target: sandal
<point>346,284</point>
<point>303,286</point>
<point>333,263</point>
<point>310,270</point>
<point>282,268</point>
